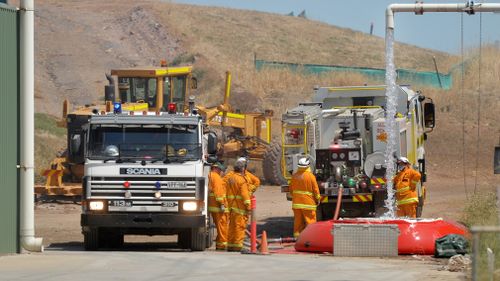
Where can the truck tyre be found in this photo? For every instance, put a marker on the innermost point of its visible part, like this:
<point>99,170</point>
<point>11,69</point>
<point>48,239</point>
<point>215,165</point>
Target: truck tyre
<point>271,165</point>
<point>211,233</point>
<point>198,239</point>
<point>91,239</point>
<point>194,239</point>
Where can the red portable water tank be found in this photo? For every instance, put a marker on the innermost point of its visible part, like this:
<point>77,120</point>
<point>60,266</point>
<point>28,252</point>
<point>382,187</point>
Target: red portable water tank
<point>416,237</point>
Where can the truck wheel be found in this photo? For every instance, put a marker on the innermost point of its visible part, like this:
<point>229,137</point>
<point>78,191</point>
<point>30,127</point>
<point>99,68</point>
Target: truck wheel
<point>211,233</point>
<point>271,165</point>
<point>194,239</point>
<point>91,239</point>
<point>198,239</point>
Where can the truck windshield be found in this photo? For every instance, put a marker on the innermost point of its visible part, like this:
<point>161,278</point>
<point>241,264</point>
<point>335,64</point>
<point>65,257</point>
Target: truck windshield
<point>176,143</point>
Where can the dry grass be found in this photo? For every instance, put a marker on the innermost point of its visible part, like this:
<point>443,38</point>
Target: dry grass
<point>481,210</point>
<point>49,139</point>
<point>456,111</point>
<point>218,39</point>
<point>227,39</point>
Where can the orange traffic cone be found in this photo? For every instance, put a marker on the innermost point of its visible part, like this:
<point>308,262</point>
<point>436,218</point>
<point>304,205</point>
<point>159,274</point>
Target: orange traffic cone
<point>263,244</point>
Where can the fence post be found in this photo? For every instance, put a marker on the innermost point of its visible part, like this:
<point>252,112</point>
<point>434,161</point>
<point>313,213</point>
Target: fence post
<point>491,263</point>
<point>475,254</point>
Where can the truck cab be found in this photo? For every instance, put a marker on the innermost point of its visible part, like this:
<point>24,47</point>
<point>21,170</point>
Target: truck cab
<point>151,88</point>
<point>145,174</point>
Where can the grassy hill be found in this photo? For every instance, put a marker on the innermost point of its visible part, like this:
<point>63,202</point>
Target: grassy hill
<point>78,41</point>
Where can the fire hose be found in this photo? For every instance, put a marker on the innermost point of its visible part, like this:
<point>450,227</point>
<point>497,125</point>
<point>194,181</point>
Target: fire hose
<point>339,203</point>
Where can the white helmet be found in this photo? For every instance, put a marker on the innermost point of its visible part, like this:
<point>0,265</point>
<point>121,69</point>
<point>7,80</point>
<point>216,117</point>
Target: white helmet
<point>304,162</point>
<point>239,165</point>
<point>403,160</point>
<point>242,159</point>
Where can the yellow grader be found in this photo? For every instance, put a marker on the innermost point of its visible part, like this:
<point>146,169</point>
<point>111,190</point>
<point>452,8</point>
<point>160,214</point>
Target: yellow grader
<point>156,89</point>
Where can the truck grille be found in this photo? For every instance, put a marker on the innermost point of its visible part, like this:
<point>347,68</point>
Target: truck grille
<point>142,191</point>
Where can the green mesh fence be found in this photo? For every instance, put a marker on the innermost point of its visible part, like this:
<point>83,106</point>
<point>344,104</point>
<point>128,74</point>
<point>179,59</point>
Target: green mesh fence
<point>405,76</point>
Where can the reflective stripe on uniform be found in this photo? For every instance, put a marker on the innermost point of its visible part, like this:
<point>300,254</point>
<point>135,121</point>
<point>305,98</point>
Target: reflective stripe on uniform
<point>220,199</point>
<point>408,201</point>
<point>239,211</point>
<point>234,197</point>
<point>234,245</point>
<point>304,206</point>
<point>403,189</point>
<point>221,245</point>
<point>246,202</point>
<point>302,192</point>
<point>414,182</point>
<point>216,210</point>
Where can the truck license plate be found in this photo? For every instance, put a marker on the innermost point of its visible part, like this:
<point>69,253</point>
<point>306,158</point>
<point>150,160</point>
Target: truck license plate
<point>120,203</point>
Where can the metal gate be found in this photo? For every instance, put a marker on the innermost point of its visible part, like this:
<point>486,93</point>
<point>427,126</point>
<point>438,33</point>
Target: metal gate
<point>9,132</point>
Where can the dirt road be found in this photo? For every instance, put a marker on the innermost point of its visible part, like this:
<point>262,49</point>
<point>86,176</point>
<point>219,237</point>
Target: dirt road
<point>209,265</point>
<point>58,224</point>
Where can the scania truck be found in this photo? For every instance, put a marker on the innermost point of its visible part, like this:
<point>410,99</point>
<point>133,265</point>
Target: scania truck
<point>145,173</point>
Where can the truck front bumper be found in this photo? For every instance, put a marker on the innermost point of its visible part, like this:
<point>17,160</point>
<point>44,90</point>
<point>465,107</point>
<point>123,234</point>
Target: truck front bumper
<point>143,220</point>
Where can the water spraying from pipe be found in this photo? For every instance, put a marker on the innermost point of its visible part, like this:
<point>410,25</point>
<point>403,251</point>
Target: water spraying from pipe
<point>390,121</point>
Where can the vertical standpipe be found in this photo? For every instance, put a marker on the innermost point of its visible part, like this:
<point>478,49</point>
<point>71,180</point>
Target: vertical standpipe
<point>418,8</point>
<point>27,165</point>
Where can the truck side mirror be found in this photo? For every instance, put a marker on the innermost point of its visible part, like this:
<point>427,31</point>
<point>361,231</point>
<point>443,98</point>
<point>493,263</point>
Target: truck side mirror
<point>212,143</point>
<point>76,141</point>
<point>429,115</point>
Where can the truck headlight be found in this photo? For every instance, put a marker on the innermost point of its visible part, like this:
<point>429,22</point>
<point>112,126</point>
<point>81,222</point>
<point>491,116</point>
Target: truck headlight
<point>96,205</point>
<point>189,206</point>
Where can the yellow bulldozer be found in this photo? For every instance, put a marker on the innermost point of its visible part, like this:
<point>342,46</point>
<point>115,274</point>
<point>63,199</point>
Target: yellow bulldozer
<point>158,89</point>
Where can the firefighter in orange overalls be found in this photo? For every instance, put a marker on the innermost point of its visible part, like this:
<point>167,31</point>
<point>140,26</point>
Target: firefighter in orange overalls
<point>238,198</point>
<point>405,184</point>
<point>305,196</point>
<point>252,180</point>
<point>217,204</point>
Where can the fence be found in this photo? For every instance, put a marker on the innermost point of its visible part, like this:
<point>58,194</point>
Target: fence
<point>404,76</point>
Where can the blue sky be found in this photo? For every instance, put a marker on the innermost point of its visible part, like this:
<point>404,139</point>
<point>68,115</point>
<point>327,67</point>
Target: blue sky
<point>440,31</point>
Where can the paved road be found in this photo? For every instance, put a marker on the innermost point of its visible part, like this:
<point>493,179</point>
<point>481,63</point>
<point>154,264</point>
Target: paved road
<point>170,264</point>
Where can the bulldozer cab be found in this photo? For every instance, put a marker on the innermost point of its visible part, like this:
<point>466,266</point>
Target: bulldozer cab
<point>152,89</point>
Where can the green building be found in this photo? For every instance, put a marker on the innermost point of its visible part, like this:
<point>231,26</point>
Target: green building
<point>9,129</point>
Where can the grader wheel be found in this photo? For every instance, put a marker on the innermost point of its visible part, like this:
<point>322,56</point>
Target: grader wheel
<point>271,165</point>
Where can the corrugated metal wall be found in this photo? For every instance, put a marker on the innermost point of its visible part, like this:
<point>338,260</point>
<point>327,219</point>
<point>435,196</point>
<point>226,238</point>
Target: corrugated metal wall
<point>9,133</point>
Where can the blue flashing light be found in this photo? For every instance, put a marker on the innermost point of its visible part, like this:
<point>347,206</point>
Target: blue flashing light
<point>117,107</point>
<point>158,185</point>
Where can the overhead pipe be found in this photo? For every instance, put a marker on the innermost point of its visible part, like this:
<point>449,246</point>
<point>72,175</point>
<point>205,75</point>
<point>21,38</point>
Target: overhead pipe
<point>419,8</point>
<point>27,86</point>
